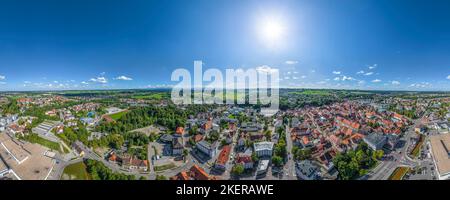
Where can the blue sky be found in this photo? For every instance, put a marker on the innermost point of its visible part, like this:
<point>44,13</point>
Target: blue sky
<point>352,44</point>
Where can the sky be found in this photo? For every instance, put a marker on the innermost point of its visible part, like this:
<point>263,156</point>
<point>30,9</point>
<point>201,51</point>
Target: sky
<point>115,44</point>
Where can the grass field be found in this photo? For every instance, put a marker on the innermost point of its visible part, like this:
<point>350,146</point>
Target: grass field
<point>164,167</point>
<point>152,96</point>
<point>34,138</point>
<point>75,171</point>
<point>399,173</point>
<point>118,115</point>
<point>415,152</point>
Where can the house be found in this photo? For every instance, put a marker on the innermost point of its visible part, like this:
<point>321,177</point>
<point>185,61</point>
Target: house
<point>222,160</point>
<point>197,173</point>
<point>375,141</point>
<point>133,163</point>
<point>179,132</point>
<point>177,146</point>
<point>207,148</point>
<point>166,138</point>
<point>306,170</point>
<point>263,149</point>
<point>245,160</point>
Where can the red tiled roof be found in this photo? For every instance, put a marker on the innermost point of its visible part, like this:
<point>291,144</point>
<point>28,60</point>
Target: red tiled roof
<point>180,130</point>
<point>198,173</point>
<point>224,155</point>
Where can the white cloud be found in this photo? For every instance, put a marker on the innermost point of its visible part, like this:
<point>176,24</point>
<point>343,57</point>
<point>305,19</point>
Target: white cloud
<point>2,77</point>
<point>361,82</point>
<point>100,79</point>
<point>291,62</point>
<point>303,76</point>
<point>347,78</point>
<point>336,72</point>
<point>85,83</point>
<point>376,81</point>
<point>360,72</point>
<point>266,69</point>
<point>448,77</point>
<point>294,77</point>
<point>373,66</point>
<point>421,85</point>
<point>368,73</point>
<point>344,78</point>
<point>395,82</point>
<point>124,78</point>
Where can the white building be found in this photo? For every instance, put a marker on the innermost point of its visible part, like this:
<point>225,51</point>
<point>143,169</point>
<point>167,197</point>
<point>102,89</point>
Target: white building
<point>263,148</point>
<point>207,148</point>
<point>440,150</point>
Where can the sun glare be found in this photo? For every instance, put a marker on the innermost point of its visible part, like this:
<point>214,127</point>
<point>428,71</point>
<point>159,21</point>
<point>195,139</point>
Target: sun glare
<point>272,31</point>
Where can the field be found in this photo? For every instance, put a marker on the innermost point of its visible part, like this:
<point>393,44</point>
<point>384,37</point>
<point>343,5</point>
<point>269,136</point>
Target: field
<point>399,173</point>
<point>118,115</point>
<point>415,152</point>
<point>164,167</point>
<point>151,96</point>
<point>34,138</point>
<point>312,92</point>
<point>75,171</point>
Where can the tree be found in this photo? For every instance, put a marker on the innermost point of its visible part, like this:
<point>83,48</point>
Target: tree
<point>268,135</point>
<point>277,160</point>
<point>254,157</point>
<point>237,169</point>
<point>161,177</point>
<point>303,154</point>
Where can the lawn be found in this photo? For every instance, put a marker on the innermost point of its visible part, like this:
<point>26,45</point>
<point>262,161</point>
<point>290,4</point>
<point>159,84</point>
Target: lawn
<point>164,167</point>
<point>76,171</point>
<point>34,138</point>
<point>399,173</point>
<point>151,96</point>
<point>415,152</point>
<point>118,115</point>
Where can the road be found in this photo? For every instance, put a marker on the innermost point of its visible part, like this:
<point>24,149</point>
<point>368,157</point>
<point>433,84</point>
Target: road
<point>289,168</point>
<point>401,158</point>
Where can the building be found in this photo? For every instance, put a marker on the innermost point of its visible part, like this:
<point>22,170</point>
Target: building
<point>222,160</point>
<point>440,150</point>
<point>23,160</point>
<point>177,146</point>
<point>245,160</point>
<point>263,149</point>
<point>207,148</point>
<point>375,141</point>
<point>132,163</point>
<point>306,170</point>
<point>262,167</point>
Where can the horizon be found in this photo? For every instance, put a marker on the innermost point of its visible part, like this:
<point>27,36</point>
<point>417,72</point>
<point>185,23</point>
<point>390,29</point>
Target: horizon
<point>354,45</point>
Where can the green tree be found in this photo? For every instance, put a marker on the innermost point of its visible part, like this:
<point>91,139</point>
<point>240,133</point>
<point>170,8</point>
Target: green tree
<point>237,169</point>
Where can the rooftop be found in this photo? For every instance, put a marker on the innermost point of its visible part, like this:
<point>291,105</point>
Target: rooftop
<point>440,146</point>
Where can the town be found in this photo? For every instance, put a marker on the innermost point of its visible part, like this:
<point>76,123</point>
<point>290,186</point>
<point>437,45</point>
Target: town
<point>142,135</point>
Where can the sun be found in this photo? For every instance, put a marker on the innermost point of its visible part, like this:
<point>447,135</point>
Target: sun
<point>271,30</point>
